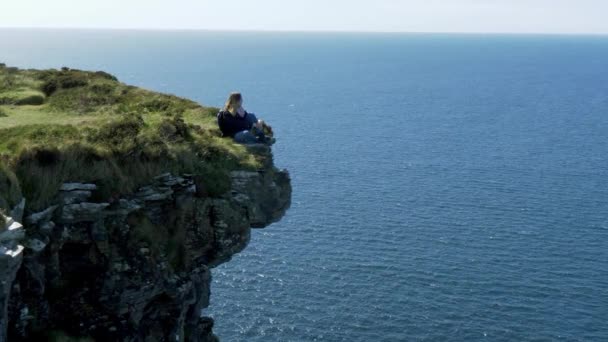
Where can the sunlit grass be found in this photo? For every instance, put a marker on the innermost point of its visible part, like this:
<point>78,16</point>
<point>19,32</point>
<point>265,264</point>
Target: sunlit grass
<point>31,115</point>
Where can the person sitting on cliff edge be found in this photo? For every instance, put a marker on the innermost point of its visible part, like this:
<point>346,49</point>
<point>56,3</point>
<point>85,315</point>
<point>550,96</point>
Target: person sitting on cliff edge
<point>245,128</point>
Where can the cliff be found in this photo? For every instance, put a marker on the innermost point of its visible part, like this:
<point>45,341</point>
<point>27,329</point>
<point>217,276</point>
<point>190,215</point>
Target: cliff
<point>113,211</point>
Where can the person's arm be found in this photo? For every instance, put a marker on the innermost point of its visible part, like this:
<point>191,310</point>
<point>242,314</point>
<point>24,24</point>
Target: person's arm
<point>251,119</point>
<point>221,122</point>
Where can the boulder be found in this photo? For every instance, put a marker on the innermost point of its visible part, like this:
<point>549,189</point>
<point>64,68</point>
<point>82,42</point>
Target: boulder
<point>77,186</point>
<point>42,216</point>
<point>11,258</point>
<point>83,212</point>
<point>11,230</point>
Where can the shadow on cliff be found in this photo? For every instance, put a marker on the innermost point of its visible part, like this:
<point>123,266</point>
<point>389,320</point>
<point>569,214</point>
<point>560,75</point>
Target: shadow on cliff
<point>136,268</point>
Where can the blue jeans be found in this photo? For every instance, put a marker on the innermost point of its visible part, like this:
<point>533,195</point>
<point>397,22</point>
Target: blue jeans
<point>255,136</point>
<point>247,137</point>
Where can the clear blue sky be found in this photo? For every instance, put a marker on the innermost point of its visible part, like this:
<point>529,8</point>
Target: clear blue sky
<point>543,16</point>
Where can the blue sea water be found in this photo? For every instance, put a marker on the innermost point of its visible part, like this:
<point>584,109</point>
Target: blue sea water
<point>446,187</point>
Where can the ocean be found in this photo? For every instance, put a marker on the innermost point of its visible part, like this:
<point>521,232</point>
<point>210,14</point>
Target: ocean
<point>446,187</point>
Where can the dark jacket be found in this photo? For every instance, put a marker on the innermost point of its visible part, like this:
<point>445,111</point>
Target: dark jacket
<point>232,124</point>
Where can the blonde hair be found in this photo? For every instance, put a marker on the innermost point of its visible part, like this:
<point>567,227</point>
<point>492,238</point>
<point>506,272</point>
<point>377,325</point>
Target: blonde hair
<point>233,99</point>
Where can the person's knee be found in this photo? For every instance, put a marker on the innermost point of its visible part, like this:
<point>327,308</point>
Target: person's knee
<point>245,137</point>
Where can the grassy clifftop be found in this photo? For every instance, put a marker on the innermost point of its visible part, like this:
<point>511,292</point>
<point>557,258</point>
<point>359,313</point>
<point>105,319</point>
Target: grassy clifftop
<point>72,125</point>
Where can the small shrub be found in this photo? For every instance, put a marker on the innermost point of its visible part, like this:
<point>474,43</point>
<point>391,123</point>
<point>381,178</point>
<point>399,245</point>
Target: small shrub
<point>117,133</point>
<point>7,82</point>
<point>166,130</point>
<point>22,97</point>
<point>102,88</point>
<point>81,100</point>
<point>174,129</point>
<point>72,80</point>
<point>34,100</point>
<point>106,76</point>
<point>3,113</point>
<point>65,79</point>
<point>156,105</point>
<point>168,105</point>
<point>49,87</point>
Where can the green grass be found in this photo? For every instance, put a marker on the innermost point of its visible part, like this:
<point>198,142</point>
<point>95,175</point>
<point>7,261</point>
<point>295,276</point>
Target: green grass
<point>21,97</point>
<point>31,115</point>
<point>92,128</point>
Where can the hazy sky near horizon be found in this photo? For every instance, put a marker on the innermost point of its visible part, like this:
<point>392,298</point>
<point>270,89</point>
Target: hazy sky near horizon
<point>518,16</point>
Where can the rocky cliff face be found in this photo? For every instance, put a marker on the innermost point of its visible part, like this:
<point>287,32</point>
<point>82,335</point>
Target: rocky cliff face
<point>136,268</point>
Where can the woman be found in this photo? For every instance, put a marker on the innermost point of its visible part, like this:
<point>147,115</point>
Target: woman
<point>245,128</point>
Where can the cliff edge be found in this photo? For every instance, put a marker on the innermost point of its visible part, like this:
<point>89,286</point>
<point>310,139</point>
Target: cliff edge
<point>115,203</point>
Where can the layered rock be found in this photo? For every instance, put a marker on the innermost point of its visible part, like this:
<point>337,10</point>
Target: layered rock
<point>11,257</point>
<point>136,268</point>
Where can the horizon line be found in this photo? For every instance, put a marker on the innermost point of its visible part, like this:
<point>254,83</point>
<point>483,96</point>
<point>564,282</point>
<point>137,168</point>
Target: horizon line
<point>530,33</point>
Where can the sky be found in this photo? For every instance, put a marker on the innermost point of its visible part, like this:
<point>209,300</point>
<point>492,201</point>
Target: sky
<point>488,16</point>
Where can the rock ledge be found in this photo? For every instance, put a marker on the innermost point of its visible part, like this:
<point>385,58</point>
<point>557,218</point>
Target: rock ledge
<point>134,269</point>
